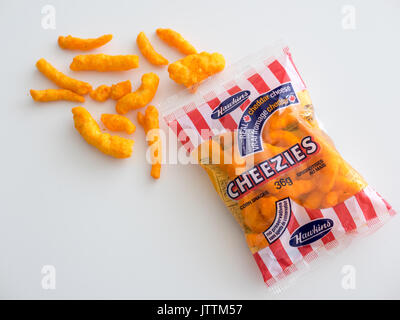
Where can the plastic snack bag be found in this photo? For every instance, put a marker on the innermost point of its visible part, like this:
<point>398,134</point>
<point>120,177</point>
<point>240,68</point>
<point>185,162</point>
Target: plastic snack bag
<point>253,129</point>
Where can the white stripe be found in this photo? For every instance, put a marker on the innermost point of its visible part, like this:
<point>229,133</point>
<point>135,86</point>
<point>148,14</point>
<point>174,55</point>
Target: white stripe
<point>338,229</point>
<point>377,203</point>
<point>293,252</point>
<point>214,124</point>
<point>270,261</point>
<point>269,78</point>
<point>357,214</point>
<point>291,71</point>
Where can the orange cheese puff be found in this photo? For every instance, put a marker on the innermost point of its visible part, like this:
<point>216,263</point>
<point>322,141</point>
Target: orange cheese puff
<point>254,220</point>
<point>72,43</point>
<point>101,94</point>
<point>194,68</point>
<point>256,240</point>
<point>150,124</point>
<point>102,62</point>
<point>120,89</point>
<point>55,94</point>
<point>61,79</point>
<point>267,207</point>
<point>330,200</point>
<point>116,122</point>
<point>314,200</point>
<point>141,96</point>
<point>280,138</point>
<point>174,39</point>
<point>148,51</point>
<point>114,146</point>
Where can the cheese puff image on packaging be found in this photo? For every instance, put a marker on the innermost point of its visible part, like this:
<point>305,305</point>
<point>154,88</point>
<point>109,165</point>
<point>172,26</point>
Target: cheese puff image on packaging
<point>88,128</point>
<point>141,97</point>
<point>61,79</point>
<point>73,43</point>
<point>55,95</point>
<point>149,122</point>
<point>253,130</point>
<point>103,62</point>
<point>174,39</point>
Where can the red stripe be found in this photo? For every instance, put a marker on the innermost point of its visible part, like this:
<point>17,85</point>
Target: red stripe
<point>292,226</point>
<point>227,121</point>
<point>200,123</point>
<point>366,205</point>
<point>181,135</point>
<point>263,268</point>
<point>236,89</point>
<point>345,217</point>
<point>279,71</point>
<point>280,254</point>
<point>258,83</point>
<point>317,214</point>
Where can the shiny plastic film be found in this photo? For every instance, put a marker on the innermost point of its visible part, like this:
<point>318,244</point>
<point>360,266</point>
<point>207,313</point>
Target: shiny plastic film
<point>253,129</point>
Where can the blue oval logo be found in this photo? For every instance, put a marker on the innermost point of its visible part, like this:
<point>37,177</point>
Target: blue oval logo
<point>230,104</point>
<point>310,232</point>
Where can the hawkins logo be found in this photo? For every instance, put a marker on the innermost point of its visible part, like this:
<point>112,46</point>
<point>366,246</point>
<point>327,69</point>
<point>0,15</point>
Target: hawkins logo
<point>310,232</point>
<point>230,104</point>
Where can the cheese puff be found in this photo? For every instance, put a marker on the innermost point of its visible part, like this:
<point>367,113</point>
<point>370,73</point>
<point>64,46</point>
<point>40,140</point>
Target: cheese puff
<point>116,122</point>
<point>174,39</point>
<point>120,89</point>
<point>141,96</point>
<point>114,146</point>
<point>148,51</point>
<point>73,43</point>
<point>256,241</point>
<point>101,94</point>
<point>55,94</point>
<point>61,79</point>
<point>280,138</point>
<point>194,68</point>
<point>254,220</point>
<point>102,62</point>
<point>149,122</point>
<point>314,200</point>
<point>330,200</point>
<point>267,207</point>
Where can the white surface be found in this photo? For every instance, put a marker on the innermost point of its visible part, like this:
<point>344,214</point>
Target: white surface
<point>113,232</point>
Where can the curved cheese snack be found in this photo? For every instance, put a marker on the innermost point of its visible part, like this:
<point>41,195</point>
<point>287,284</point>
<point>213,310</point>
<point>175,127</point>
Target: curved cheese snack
<point>61,79</point>
<point>141,96</point>
<point>55,94</point>
<point>102,62</point>
<point>174,39</point>
<point>88,128</point>
<point>194,68</point>
<point>101,93</point>
<point>120,89</point>
<point>73,43</point>
<point>148,51</point>
<point>150,124</point>
<point>116,122</point>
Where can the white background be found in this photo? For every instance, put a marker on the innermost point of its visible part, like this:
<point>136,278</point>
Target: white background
<point>113,232</point>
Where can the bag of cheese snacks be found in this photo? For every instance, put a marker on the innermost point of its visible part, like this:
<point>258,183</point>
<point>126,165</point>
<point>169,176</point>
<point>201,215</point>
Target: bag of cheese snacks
<point>253,130</point>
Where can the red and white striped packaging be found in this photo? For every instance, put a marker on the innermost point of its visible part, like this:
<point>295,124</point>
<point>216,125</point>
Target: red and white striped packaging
<point>305,234</point>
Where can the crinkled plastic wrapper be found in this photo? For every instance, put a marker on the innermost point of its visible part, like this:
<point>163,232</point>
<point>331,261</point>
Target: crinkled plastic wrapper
<point>253,129</point>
